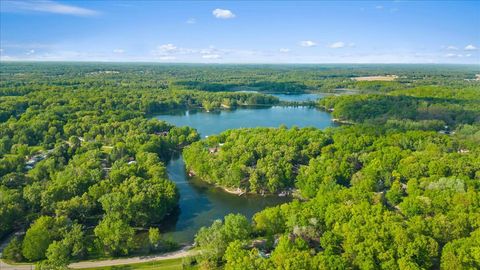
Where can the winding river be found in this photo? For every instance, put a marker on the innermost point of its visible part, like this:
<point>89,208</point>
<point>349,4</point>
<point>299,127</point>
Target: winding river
<point>200,204</point>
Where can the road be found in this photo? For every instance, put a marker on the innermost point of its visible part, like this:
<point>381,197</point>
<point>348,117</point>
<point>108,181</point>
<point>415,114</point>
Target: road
<point>184,252</point>
<point>4,266</point>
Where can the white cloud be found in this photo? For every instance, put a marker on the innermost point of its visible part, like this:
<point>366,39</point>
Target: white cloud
<point>237,55</point>
<point>167,48</point>
<point>118,50</point>
<point>167,57</point>
<point>470,48</point>
<point>172,52</point>
<point>191,21</point>
<point>223,13</point>
<point>307,43</point>
<point>337,45</point>
<point>47,7</point>
<point>212,53</point>
<point>284,50</point>
<point>30,52</point>
<point>379,7</point>
<point>166,51</point>
<point>455,55</point>
<point>452,48</point>
<point>211,56</point>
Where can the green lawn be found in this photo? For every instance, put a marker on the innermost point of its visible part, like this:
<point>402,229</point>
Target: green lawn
<point>173,264</point>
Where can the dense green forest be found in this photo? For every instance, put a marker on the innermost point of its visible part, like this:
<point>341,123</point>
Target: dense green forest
<point>262,160</point>
<point>82,167</point>
<point>374,197</point>
<point>449,105</point>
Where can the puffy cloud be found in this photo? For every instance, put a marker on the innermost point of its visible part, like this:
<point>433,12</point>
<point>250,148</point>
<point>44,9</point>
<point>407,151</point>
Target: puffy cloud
<point>166,51</point>
<point>470,48</point>
<point>172,52</point>
<point>30,52</point>
<point>167,57</point>
<point>211,56</point>
<point>167,48</point>
<point>118,50</point>
<point>452,48</point>
<point>191,21</point>
<point>46,6</point>
<point>307,43</point>
<point>457,55</point>
<point>337,45</point>
<point>284,50</point>
<point>223,13</point>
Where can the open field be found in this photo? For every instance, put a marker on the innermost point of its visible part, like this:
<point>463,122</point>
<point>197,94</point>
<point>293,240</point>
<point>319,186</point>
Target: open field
<point>386,78</point>
<point>172,264</point>
<point>149,260</point>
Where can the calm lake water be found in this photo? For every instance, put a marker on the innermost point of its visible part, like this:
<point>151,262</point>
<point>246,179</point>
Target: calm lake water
<point>298,98</point>
<point>200,204</point>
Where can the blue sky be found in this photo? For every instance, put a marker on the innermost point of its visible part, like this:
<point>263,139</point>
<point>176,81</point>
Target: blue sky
<point>242,32</point>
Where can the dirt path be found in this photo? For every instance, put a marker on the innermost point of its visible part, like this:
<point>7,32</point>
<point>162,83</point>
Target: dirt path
<point>184,252</point>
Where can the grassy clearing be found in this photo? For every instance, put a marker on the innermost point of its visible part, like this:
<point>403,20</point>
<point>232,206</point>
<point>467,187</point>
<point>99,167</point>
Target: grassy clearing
<point>386,78</point>
<point>172,264</point>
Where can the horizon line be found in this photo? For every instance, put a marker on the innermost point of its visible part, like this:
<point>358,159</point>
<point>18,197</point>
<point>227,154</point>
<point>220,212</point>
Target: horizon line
<point>233,63</point>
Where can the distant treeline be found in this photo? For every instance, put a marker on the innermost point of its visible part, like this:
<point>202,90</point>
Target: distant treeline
<point>446,105</point>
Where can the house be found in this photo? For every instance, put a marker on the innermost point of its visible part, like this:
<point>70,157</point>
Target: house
<point>163,133</point>
<point>33,160</point>
<point>213,150</point>
<point>263,254</point>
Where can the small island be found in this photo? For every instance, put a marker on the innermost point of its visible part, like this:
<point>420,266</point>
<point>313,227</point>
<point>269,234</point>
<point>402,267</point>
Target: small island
<point>255,160</point>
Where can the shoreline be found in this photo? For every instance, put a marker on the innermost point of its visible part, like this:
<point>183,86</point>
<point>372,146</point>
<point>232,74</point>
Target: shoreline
<point>239,192</point>
<point>344,122</point>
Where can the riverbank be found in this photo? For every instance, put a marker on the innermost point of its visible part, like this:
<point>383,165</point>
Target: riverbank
<point>240,192</point>
<point>236,191</point>
<point>343,122</point>
<point>290,192</point>
<point>233,191</point>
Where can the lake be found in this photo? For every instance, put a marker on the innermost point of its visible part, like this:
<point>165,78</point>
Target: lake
<point>200,204</point>
<point>299,98</point>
